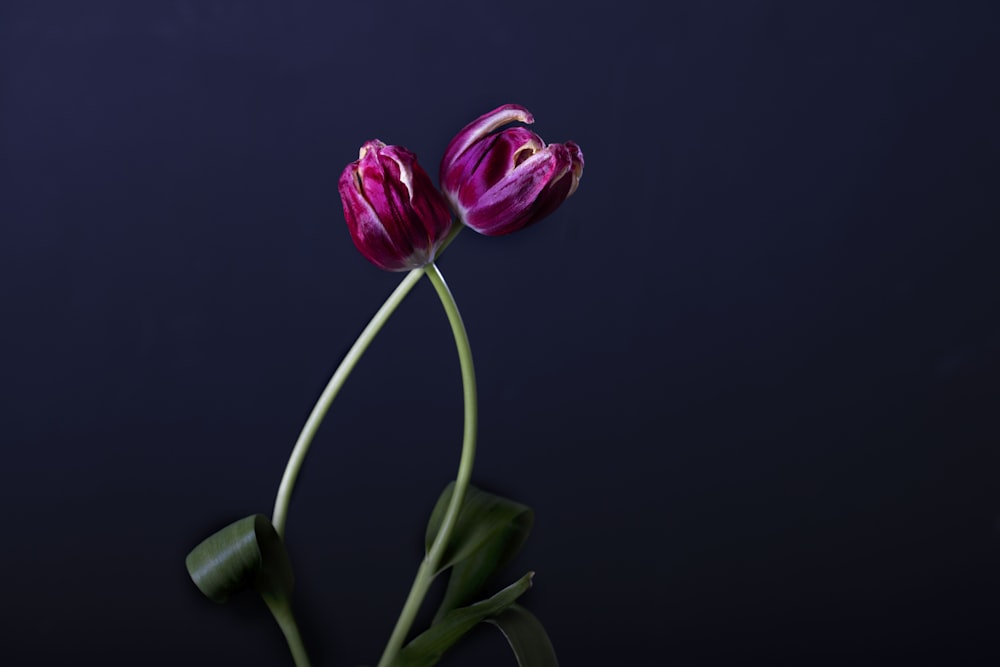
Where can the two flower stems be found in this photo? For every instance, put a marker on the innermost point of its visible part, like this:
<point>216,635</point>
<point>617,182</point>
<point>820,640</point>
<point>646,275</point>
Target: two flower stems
<point>432,560</point>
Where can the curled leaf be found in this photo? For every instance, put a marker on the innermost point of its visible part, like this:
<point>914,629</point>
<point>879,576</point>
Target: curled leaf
<point>428,647</point>
<point>246,553</point>
<point>526,636</point>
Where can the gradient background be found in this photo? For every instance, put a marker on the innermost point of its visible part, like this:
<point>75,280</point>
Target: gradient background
<point>747,376</point>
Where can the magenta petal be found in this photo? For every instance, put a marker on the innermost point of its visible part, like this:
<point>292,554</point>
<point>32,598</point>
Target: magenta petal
<point>480,128</point>
<point>397,219</point>
<point>576,155</point>
<point>502,181</point>
<point>490,161</point>
<point>367,232</point>
<point>562,184</point>
<point>509,205</point>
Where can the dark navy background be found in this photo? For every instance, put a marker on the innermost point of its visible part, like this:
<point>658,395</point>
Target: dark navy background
<point>747,375</point>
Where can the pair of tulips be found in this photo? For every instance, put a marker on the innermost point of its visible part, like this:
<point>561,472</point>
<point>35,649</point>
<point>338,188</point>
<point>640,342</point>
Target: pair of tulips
<point>497,182</point>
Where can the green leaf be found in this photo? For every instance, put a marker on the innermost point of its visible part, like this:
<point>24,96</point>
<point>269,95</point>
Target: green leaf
<point>427,648</point>
<point>526,636</point>
<point>245,553</point>
<point>489,531</point>
<point>483,517</point>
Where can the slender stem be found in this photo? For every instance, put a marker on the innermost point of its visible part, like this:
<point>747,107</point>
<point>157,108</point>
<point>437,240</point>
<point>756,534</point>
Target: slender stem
<point>281,609</point>
<point>298,455</point>
<point>340,376</point>
<point>429,566</point>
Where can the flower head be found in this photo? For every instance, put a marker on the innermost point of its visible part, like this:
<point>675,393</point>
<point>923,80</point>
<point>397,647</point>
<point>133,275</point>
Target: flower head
<point>396,217</point>
<point>500,182</point>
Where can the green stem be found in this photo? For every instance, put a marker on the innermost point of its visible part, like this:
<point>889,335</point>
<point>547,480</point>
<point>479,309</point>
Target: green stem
<point>319,411</point>
<point>298,455</point>
<point>281,609</point>
<point>432,560</point>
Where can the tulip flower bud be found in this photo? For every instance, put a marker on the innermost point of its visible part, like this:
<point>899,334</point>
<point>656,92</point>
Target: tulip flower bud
<point>396,217</point>
<point>501,182</point>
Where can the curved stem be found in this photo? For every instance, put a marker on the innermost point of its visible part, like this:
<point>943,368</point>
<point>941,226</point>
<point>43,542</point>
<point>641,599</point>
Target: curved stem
<point>282,612</point>
<point>298,455</point>
<point>432,560</point>
<point>319,411</point>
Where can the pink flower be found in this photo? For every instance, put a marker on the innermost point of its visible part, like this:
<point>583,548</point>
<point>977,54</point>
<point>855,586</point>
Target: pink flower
<point>396,217</point>
<point>500,182</point>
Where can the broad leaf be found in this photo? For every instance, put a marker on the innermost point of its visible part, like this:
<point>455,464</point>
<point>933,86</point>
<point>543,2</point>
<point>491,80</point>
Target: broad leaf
<point>427,648</point>
<point>489,531</point>
<point>245,553</point>
<point>526,636</point>
<point>483,518</point>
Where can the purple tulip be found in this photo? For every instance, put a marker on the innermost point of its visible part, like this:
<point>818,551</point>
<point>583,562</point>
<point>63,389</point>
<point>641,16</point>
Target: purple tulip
<point>396,217</point>
<point>501,182</point>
